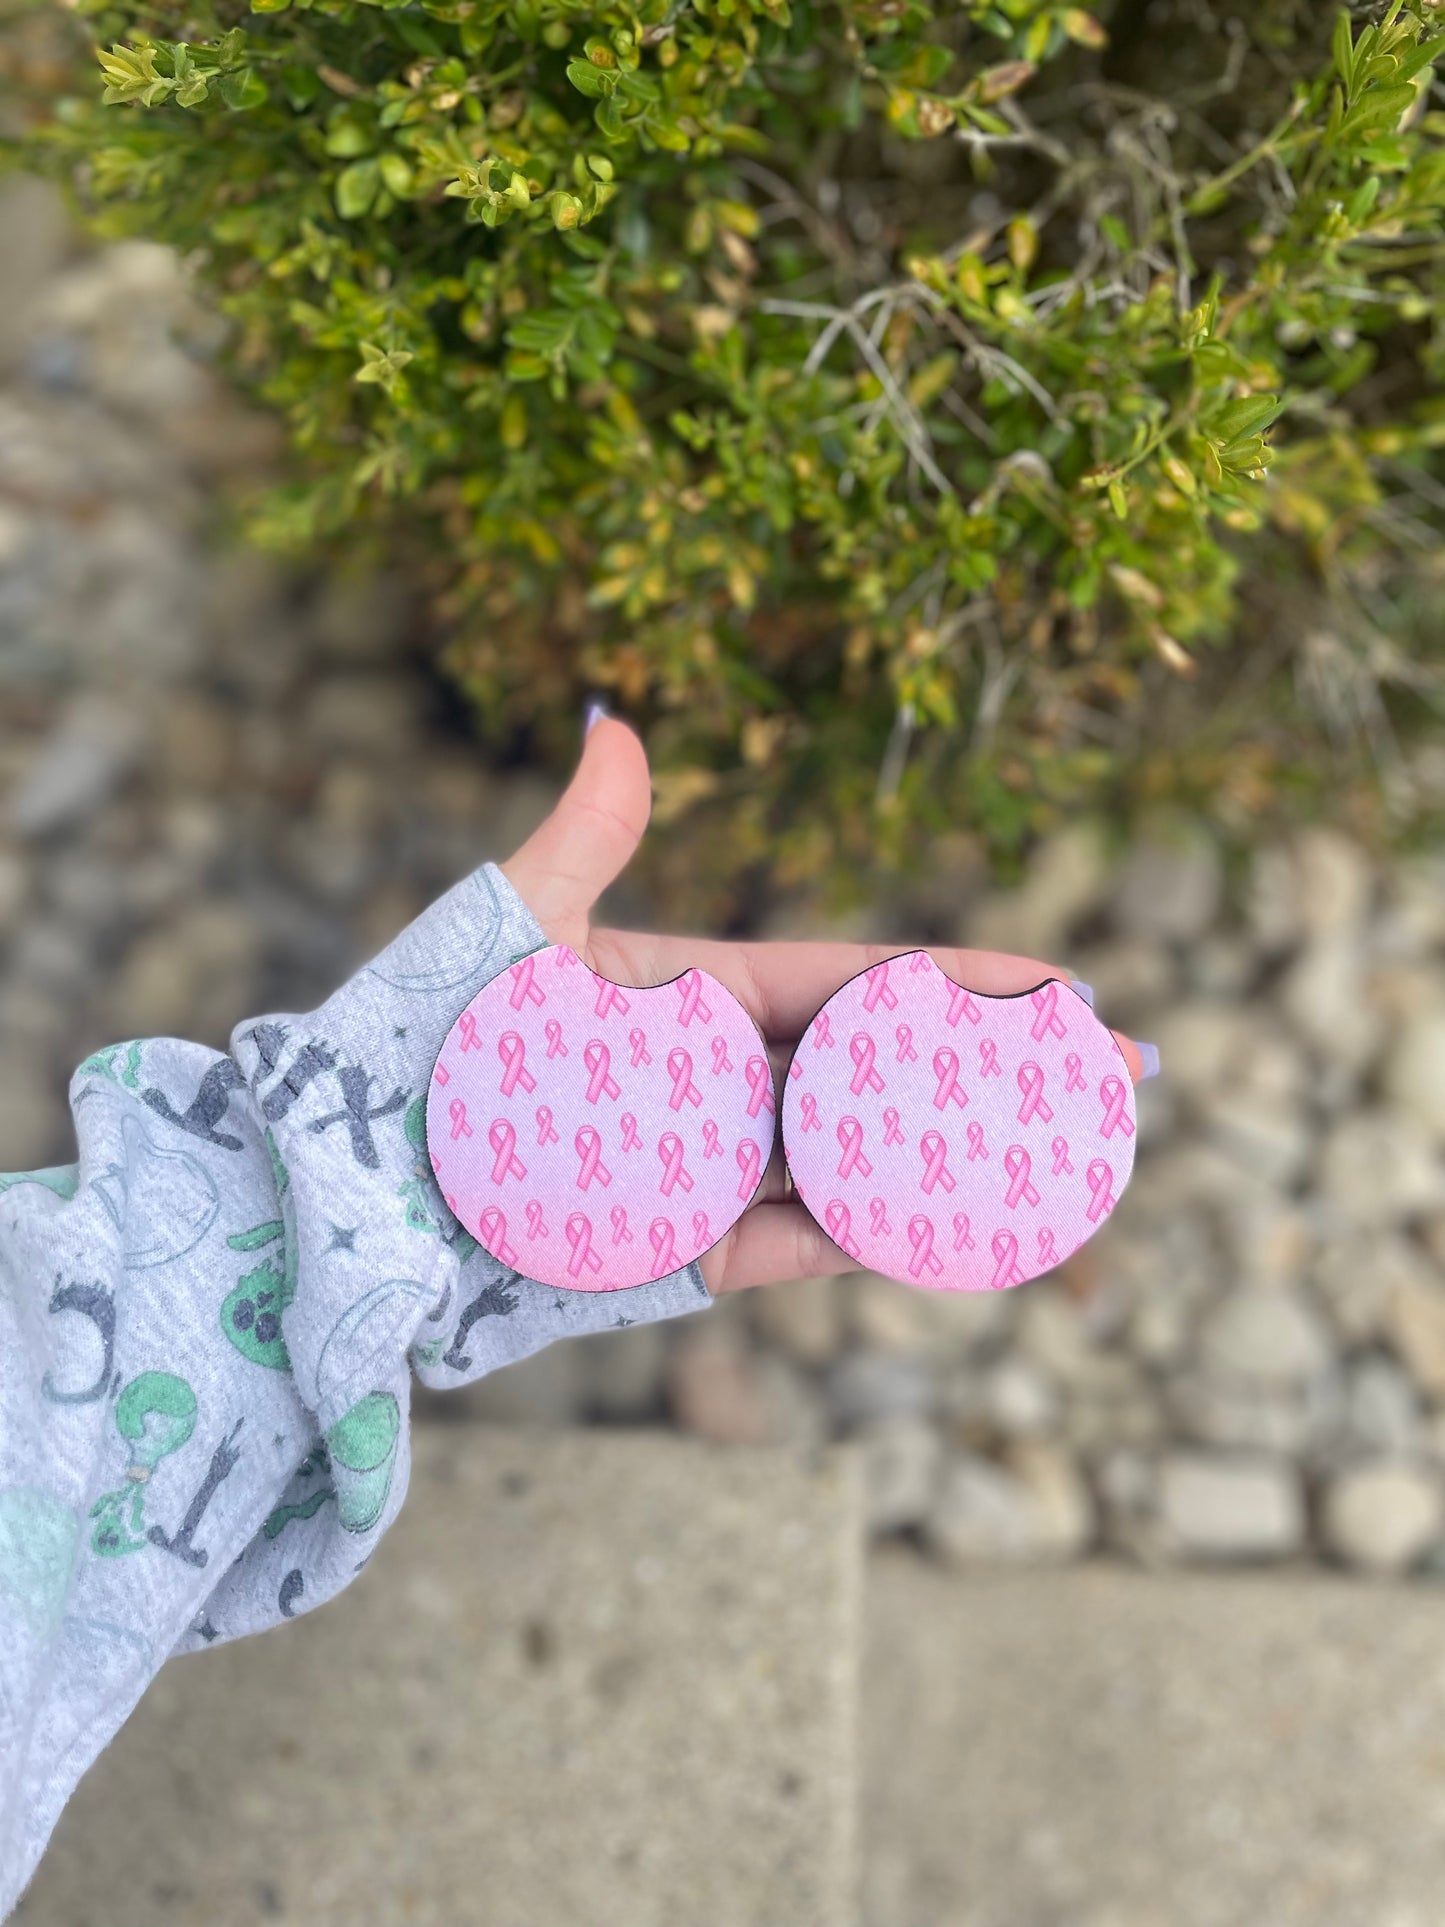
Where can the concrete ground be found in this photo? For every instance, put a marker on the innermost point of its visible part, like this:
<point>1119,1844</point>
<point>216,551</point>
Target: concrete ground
<point>628,1697</point>
<point>1096,1747</point>
<point>624,1699</point>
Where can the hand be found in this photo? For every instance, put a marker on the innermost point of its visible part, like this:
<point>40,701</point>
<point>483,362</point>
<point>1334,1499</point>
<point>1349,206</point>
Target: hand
<point>587,841</point>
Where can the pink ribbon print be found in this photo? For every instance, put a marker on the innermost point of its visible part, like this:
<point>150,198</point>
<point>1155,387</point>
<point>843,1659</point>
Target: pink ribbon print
<point>560,1097</point>
<point>957,1141</point>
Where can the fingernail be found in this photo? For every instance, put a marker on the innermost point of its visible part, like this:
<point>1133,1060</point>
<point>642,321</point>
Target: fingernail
<point>594,714</point>
<point>1086,991</point>
<point>1150,1055</point>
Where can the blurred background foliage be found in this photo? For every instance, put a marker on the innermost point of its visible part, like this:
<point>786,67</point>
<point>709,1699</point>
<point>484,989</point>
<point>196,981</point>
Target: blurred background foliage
<point>915,417</point>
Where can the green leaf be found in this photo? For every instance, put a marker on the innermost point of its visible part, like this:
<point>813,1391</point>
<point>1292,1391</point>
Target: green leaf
<point>356,189</point>
<point>243,89</point>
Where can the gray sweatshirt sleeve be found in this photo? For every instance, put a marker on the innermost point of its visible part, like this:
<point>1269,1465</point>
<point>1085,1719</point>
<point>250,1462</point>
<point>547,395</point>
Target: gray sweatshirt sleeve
<point>207,1332</point>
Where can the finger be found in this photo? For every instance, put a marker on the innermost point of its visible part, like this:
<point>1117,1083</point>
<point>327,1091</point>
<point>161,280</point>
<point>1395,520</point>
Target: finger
<point>770,1245</point>
<point>589,839</point>
<point>784,985</point>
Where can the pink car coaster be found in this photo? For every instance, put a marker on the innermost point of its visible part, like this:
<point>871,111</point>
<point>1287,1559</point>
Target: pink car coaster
<point>594,1135</point>
<point>956,1141</point>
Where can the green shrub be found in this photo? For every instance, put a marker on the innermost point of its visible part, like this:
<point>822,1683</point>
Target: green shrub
<point>913,414</point>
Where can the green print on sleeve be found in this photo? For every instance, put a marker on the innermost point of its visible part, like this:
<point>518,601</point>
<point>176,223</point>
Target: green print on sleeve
<point>362,1444</point>
<point>156,1413</point>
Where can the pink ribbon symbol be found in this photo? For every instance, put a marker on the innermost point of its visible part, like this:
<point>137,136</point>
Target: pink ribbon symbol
<point>602,1083</point>
<point>720,1060</point>
<point>621,1230</point>
<point>513,1053</point>
<point>631,1141</point>
<point>1074,1065</point>
<point>609,997</point>
<point>892,1134</point>
<point>878,1219</point>
<point>711,1142</point>
<point>588,1146</point>
<point>637,1037</point>
<point>961,1004</point>
<point>525,988</point>
<point>1031,1083</point>
<point>760,1087</point>
<point>664,1245</point>
<point>546,1130</point>
<point>457,1112</point>
<point>976,1146</point>
<point>1062,1166</point>
<point>442,1074</point>
<point>1101,1178</point>
<point>988,1059</point>
<point>1114,1095</point>
<point>750,1163</point>
<point>503,1140</point>
<point>1048,1254</point>
<point>555,1045</point>
<point>920,960</point>
<point>822,1031</point>
<point>690,989</point>
<point>536,1227</point>
<point>795,1069</point>
<point>1006,1251</point>
<point>579,1236</point>
<point>494,1236</point>
<point>1048,1022</point>
<point>945,1069</point>
<point>920,1236</point>
<point>1018,1164</point>
<point>702,1237</point>
<point>810,1113</point>
<point>935,1162</point>
<point>862,1050</point>
<point>838,1222</point>
<point>906,1053</point>
<point>467,1030</point>
<point>963,1239</point>
<point>850,1136</point>
<point>878,992</point>
<point>684,1091</point>
<point>563,958</point>
<point>669,1149</point>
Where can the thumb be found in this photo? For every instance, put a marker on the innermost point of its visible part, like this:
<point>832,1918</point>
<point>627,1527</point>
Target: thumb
<point>588,840</point>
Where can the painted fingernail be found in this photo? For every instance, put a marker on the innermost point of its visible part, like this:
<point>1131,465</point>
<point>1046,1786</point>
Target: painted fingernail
<point>595,712</point>
<point>1150,1056</point>
<point>1086,991</point>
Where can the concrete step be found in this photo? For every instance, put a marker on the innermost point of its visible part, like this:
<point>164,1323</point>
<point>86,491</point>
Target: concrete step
<point>589,1680</point>
<point>1103,1748</point>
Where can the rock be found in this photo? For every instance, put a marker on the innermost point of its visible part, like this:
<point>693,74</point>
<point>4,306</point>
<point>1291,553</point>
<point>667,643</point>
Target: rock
<point>1253,1414</point>
<point>1356,1278</point>
<point>96,744</point>
<point>1129,977</point>
<point>1036,1510</point>
<point>1275,1337</point>
<point>1235,1508</point>
<point>373,716</point>
<point>1414,923</point>
<point>1383,1516</point>
<point>1221,967</point>
<point>14,890</point>
<point>623,1373</point>
<point>803,1319</point>
<point>1268,1239</point>
<point>1381,1412</point>
<point>1320,885</point>
<point>1376,1170</point>
<point>1323,995</point>
<point>545,1389</point>
<point>901,1458</point>
<point>1272,1138</point>
<point>1204,1044</point>
<point>1018,1400</point>
<point>1415,1072</point>
<point>714,1389</point>
<point>1170,886</point>
<point>1414,1323</point>
<point>1065,880</point>
<point>34,1125</point>
<point>867,1386</point>
<point>879,1312</point>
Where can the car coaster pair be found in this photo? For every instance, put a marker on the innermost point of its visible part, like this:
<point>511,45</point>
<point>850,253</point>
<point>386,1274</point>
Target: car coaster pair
<point>595,1135</point>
